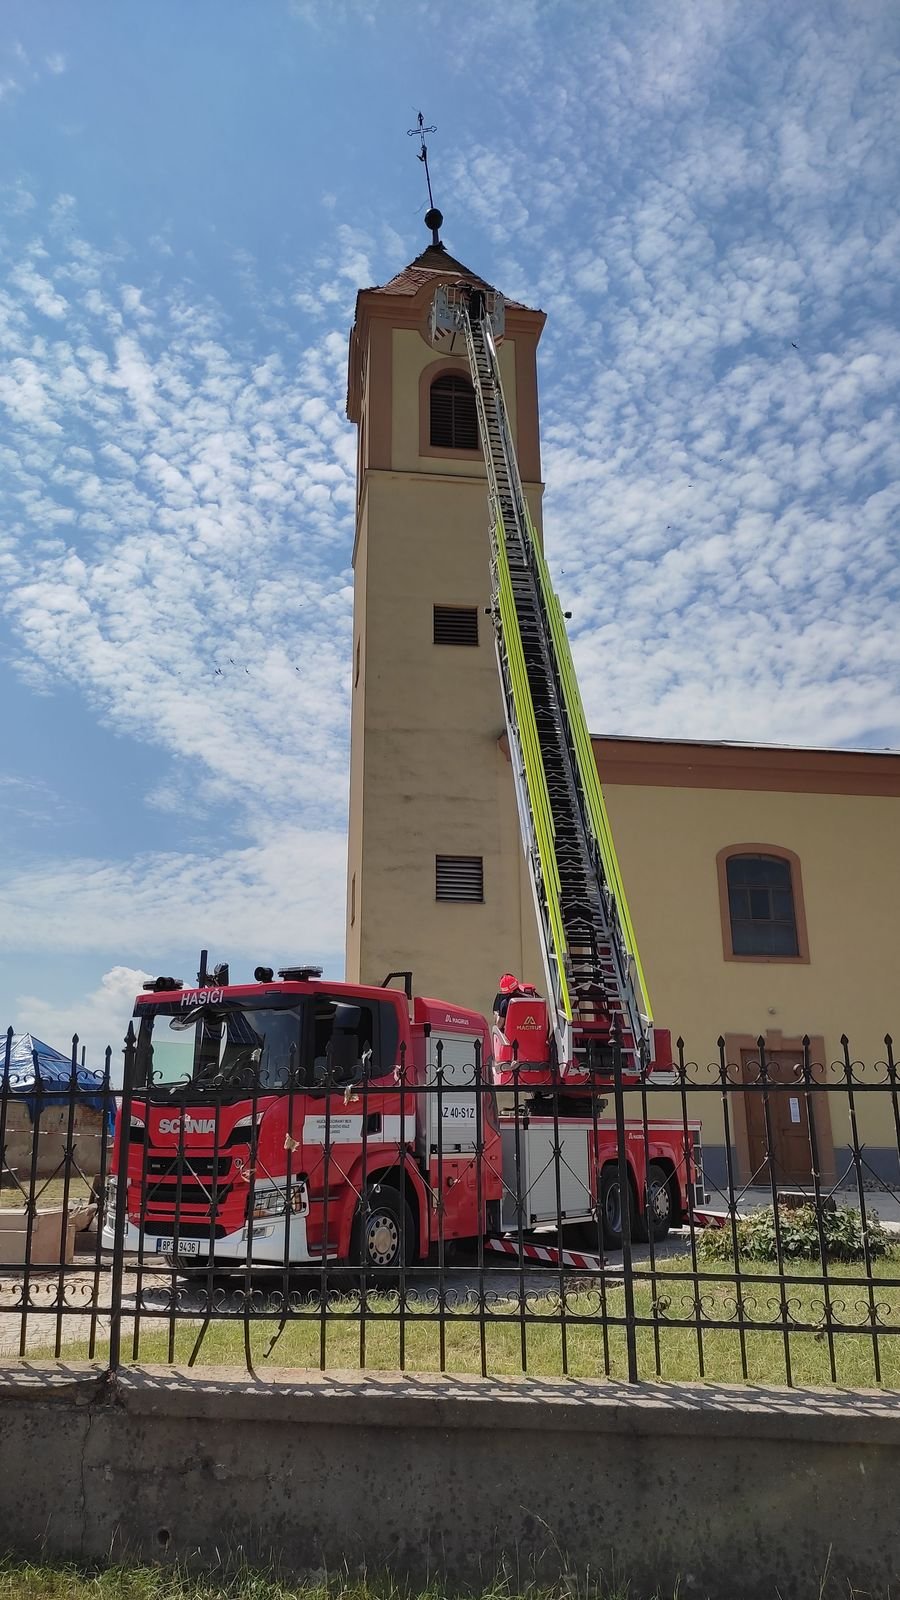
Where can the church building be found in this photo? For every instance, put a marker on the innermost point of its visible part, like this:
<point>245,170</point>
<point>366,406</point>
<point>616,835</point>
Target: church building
<point>763,882</point>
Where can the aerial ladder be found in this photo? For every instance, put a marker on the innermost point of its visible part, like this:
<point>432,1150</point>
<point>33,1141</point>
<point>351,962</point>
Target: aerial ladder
<point>595,983</point>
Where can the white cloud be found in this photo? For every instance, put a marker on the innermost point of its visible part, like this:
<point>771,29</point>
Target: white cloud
<point>199,596</point>
<point>56,62</point>
<point>178,516</point>
<point>99,1019</point>
<point>721,368</point>
<point>40,291</point>
<point>280,896</point>
<point>336,14</point>
<point>31,801</point>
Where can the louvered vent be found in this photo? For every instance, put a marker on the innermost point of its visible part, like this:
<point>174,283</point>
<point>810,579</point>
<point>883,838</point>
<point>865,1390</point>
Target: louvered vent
<point>455,625</point>
<point>454,422</point>
<point>459,878</point>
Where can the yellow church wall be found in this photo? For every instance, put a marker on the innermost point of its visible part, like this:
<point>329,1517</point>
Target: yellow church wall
<point>668,840</point>
<point>357,743</point>
<point>434,776</point>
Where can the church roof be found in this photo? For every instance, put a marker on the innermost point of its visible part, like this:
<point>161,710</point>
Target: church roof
<point>433,262</point>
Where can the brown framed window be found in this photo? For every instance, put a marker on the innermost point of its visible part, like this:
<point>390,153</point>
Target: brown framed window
<point>761,904</point>
<point>459,878</point>
<point>452,415</point>
<point>456,625</point>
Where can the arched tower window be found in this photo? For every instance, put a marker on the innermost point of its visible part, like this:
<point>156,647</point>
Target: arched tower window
<point>762,904</point>
<point>453,419</point>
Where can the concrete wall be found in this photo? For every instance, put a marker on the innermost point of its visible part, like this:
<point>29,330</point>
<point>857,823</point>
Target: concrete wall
<point>718,1492</point>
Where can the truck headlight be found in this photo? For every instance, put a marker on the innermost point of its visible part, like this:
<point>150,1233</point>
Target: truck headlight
<point>269,1200</point>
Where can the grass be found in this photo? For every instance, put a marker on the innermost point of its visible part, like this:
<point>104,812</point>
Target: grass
<point>48,1192</point>
<point>62,1581</point>
<point>25,1581</point>
<point>349,1341</point>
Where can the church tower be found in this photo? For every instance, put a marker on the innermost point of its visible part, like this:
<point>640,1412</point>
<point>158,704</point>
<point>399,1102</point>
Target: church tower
<point>436,880</point>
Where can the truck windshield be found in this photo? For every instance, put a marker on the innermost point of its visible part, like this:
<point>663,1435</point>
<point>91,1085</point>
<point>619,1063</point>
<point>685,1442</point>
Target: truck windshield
<point>214,1049</point>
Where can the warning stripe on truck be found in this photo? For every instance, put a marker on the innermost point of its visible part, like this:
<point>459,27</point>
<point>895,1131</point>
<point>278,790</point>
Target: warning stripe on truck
<point>545,1254</point>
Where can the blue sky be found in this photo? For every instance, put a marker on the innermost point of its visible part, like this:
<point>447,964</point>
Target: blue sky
<point>703,199</point>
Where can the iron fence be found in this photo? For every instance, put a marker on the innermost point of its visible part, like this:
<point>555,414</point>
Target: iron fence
<point>737,1219</point>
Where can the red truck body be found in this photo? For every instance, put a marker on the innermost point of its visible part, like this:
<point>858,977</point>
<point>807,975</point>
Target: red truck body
<point>291,1123</point>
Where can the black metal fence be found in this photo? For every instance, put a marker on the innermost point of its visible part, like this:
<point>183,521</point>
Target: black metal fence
<point>736,1220</point>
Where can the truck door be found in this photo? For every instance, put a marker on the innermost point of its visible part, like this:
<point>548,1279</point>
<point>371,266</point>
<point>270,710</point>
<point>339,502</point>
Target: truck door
<point>452,1126</point>
<point>353,1099</point>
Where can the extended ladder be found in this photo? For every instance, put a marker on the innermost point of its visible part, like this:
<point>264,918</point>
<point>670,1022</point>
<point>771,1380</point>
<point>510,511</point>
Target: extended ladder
<point>590,953</point>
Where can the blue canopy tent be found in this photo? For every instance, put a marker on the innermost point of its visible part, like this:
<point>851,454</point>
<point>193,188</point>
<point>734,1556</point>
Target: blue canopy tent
<point>36,1069</point>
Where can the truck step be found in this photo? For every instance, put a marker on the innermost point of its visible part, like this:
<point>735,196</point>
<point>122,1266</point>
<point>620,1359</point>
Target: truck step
<point>546,1254</point>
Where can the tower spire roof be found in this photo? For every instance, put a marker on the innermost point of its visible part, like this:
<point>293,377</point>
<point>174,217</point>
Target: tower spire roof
<point>434,262</point>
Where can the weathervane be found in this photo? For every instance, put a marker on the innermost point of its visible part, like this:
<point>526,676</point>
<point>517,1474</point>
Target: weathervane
<point>433,217</point>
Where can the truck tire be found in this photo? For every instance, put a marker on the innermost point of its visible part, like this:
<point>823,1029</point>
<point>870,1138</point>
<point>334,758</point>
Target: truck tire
<point>611,1209</point>
<point>384,1233</point>
<point>658,1215</point>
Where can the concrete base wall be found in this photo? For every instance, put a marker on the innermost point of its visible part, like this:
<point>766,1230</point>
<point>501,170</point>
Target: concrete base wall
<point>724,1493</point>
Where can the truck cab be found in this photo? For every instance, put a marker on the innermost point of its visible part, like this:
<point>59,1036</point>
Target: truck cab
<point>289,1122</point>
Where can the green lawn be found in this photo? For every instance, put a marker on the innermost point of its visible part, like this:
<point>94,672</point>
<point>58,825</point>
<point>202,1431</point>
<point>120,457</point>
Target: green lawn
<point>48,1192</point>
<point>23,1581</point>
<point>300,1344</point>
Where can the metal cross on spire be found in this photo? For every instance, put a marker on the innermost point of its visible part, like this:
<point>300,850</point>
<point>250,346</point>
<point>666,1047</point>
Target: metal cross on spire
<point>433,217</point>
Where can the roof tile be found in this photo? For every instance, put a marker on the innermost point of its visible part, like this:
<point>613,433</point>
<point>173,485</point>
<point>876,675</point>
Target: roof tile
<point>435,262</point>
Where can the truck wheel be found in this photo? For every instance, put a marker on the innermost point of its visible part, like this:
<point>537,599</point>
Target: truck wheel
<point>383,1230</point>
<point>657,1216</point>
<point>611,1208</point>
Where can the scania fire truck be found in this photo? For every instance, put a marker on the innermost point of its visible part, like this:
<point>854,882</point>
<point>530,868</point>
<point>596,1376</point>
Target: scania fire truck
<point>295,1121</point>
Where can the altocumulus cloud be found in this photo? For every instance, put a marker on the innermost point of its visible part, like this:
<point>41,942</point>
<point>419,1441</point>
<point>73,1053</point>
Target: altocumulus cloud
<point>177,523</point>
<point>706,205</point>
<point>177,529</point>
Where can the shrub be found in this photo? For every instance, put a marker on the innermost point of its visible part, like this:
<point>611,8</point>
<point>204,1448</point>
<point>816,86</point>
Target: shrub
<point>842,1229</point>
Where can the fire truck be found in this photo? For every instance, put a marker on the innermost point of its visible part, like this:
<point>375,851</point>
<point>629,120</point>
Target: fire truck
<point>295,1121</point>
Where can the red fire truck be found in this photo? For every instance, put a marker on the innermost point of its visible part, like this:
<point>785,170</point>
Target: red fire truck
<point>295,1121</point>
<point>298,1121</point>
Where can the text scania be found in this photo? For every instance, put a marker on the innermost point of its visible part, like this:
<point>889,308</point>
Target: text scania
<point>190,1124</point>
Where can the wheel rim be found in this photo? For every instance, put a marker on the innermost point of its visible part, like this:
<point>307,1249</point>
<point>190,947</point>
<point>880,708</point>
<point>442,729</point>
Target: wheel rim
<point>382,1239</point>
<point>613,1210</point>
<point>660,1200</point>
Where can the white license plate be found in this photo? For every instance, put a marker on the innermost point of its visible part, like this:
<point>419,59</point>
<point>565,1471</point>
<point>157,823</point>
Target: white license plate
<point>186,1247</point>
